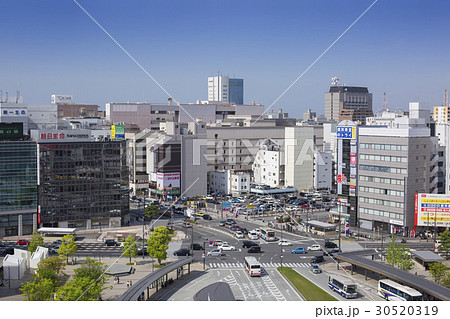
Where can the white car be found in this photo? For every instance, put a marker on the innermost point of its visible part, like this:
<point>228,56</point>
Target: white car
<point>314,247</point>
<point>239,234</point>
<point>284,243</point>
<point>226,247</point>
<point>215,253</point>
<point>253,235</point>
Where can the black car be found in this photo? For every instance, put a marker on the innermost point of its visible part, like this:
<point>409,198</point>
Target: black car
<point>254,249</point>
<point>207,217</point>
<point>248,243</point>
<point>6,251</point>
<point>111,242</point>
<point>196,246</point>
<point>244,231</point>
<point>330,252</point>
<point>317,259</point>
<point>182,252</point>
<point>330,244</point>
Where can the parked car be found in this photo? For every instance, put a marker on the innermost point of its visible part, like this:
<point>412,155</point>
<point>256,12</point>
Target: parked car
<point>23,242</point>
<point>227,247</point>
<point>239,234</point>
<point>247,244</point>
<point>215,252</point>
<point>315,269</point>
<point>53,250</point>
<point>254,249</point>
<point>314,247</point>
<point>222,223</point>
<point>6,251</point>
<point>196,246</point>
<point>2,244</point>
<point>298,250</point>
<point>317,259</point>
<point>284,242</point>
<point>207,217</point>
<point>111,242</point>
<point>182,252</point>
<point>244,231</point>
<point>253,235</point>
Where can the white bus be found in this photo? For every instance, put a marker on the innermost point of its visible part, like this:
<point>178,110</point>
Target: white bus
<point>391,290</point>
<point>343,286</point>
<point>267,234</point>
<point>252,266</point>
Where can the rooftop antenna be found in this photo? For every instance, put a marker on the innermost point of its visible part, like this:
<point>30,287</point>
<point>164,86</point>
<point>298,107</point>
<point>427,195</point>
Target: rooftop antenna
<point>446,98</point>
<point>17,96</point>
<point>384,102</point>
<point>6,97</point>
<point>335,81</point>
<point>1,96</point>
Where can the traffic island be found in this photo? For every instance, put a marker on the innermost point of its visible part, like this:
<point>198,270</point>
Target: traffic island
<point>305,287</point>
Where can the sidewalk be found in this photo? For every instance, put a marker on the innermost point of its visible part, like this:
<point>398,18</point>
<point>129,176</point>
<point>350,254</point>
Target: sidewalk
<point>144,266</point>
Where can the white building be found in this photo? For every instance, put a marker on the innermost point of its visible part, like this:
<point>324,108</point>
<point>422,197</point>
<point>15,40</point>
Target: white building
<point>323,168</point>
<point>228,182</point>
<point>268,167</point>
<point>223,89</point>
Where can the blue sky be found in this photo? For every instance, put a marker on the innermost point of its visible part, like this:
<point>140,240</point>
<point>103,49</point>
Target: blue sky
<point>51,46</point>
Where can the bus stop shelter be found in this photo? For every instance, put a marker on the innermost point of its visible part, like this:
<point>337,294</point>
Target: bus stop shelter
<point>321,228</point>
<point>425,257</point>
<point>56,231</point>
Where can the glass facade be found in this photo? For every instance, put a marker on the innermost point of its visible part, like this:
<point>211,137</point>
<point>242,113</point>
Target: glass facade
<point>18,186</point>
<point>236,91</point>
<point>18,176</point>
<point>83,181</point>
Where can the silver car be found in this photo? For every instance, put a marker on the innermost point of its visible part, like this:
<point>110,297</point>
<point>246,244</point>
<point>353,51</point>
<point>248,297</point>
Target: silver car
<point>217,252</point>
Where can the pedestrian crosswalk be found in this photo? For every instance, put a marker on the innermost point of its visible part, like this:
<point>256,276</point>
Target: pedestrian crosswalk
<point>265,265</point>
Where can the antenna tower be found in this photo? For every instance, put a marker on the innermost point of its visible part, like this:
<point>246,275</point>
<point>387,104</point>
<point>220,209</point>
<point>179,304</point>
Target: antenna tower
<point>384,102</point>
<point>446,98</point>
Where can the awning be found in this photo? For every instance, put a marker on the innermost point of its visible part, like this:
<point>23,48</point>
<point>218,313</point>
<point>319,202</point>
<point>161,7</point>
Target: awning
<point>120,270</point>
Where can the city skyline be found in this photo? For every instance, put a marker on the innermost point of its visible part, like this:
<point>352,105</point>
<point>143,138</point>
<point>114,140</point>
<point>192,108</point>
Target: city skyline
<point>55,48</point>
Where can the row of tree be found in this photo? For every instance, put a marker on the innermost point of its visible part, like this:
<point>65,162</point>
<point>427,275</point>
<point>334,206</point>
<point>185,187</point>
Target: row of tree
<point>49,281</point>
<point>157,245</point>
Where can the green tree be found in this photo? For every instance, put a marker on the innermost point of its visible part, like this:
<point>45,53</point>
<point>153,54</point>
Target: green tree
<point>46,280</point>
<point>158,243</point>
<point>130,248</point>
<point>36,240</point>
<point>68,247</point>
<point>445,240</point>
<point>88,283</point>
<point>437,271</point>
<point>151,211</point>
<point>398,255</point>
<point>39,289</point>
<point>446,280</point>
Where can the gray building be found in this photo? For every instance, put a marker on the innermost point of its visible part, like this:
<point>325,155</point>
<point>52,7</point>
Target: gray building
<point>394,163</point>
<point>348,102</point>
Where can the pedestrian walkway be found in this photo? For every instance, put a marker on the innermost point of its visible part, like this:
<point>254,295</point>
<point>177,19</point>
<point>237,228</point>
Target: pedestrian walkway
<point>265,265</point>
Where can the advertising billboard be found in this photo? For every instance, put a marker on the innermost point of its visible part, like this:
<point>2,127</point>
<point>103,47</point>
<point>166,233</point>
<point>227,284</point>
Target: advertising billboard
<point>118,132</point>
<point>168,183</point>
<point>432,209</point>
<point>62,99</point>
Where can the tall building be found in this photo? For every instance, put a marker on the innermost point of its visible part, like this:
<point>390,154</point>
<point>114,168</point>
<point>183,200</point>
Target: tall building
<point>82,183</point>
<point>223,89</point>
<point>268,167</point>
<point>395,163</point>
<point>348,103</point>
<point>18,182</point>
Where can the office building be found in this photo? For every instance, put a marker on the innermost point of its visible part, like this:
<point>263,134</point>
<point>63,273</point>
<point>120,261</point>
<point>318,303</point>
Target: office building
<point>82,183</point>
<point>348,102</point>
<point>395,163</point>
<point>228,182</point>
<point>176,161</point>
<point>223,89</point>
<point>18,182</point>
<point>441,114</point>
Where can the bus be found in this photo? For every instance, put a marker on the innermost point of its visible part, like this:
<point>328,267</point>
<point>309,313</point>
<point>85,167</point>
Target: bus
<point>391,290</point>
<point>343,286</point>
<point>267,234</point>
<point>252,266</point>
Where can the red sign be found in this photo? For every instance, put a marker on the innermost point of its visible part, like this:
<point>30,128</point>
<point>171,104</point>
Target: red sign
<point>339,178</point>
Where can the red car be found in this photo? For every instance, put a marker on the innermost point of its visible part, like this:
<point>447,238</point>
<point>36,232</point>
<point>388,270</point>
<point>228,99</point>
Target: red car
<point>23,242</point>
